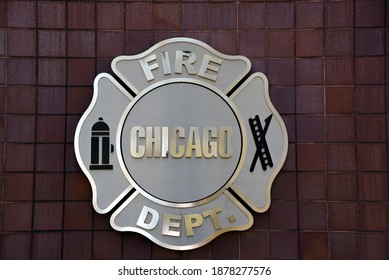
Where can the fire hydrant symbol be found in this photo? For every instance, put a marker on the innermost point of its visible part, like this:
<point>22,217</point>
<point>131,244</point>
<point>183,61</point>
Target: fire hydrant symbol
<point>188,138</point>
<point>100,146</point>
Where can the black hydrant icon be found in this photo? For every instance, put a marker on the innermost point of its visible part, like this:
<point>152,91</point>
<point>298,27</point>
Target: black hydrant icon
<point>100,146</point>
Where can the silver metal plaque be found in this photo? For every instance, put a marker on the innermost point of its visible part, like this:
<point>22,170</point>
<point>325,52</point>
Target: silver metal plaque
<point>179,148</point>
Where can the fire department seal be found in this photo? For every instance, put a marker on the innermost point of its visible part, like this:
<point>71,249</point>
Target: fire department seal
<point>178,147</point>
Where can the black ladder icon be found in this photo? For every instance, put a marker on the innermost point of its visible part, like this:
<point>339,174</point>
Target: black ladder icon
<point>259,135</point>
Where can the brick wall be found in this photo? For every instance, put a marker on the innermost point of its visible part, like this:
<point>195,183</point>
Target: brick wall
<point>326,63</point>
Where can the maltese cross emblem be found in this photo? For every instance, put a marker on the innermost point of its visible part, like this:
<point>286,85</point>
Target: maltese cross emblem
<point>180,147</point>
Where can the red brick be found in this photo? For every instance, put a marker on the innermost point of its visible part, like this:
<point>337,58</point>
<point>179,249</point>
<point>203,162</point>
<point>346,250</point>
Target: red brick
<point>2,71</point>
<point>309,43</point>
<point>51,14</point>
<point>339,42</point>
<point>110,44</point>
<point>310,129</point>
<point>369,41</point>
<point>281,72</point>
<point>339,100</point>
<point>107,245</point>
<point>167,16</point>
<point>218,39</point>
<point>284,186</point>
<point>15,246</point>
<point>51,100</point>
<point>161,253</point>
<point>373,186</point>
<point>77,245</point>
<point>371,128</point>
<point>284,99</point>
<point>254,245</point>
<point>78,216</point>
<point>261,221</point>
<point>253,43</point>
<point>309,15</point>
<point>21,71</point>
<point>223,16</point>
<point>369,13</point>
<point>105,20</point>
<point>310,157</point>
<point>196,16</point>
<point>101,222</point>
<point>52,72</point>
<point>19,157</point>
<point>16,217</point>
<point>202,253</point>
<point>226,246</point>
<point>312,186</point>
<point>375,246</point>
<point>81,15</point>
<point>48,215</point>
<point>81,72</point>
<point>47,246</point>
<point>77,187</point>
<point>49,157</point>
<point>81,43</point>
<point>340,128</point>
<point>310,71</point>
<point>21,42</point>
<point>374,216</point>
<point>18,187</point>
<point>3,14</point>
<point>17,135</point>
<point>341,157</point>
<point>2,43</point>
<point>71,124</point>
<point>343,216</point>
<point>339,14</point>
<point>314,246</point>
<point>284,245</point>
<point>49,186</point>
<point>283,215</point>
<point>251,15</point>
<point>370,99</point>
<point>344,246</point>
<point>21,14</point>
<point>280,43</point>
<point>290,161</point>
<point>369,70</point>
<point>342,186</point>
<point>339,71</point>
<point>371,157</point>
<point>312,216</point>
<point>50,129</point>
<point>139,16</point>
<point>280,15</point>
<point>51,43</point>
<point>71,162</point>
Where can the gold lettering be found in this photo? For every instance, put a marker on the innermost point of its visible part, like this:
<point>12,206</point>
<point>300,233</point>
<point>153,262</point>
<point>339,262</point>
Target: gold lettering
<point>153,137</point>
<point>177,151</point>
<point>193,142</point>
<point>192,221</point>
<point>213,215</point>
<point>168,223</point>
<point>225,142</point>
<point>137,151</point>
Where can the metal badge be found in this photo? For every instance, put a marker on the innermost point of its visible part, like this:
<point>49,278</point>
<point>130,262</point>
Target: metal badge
<point>180,151</point>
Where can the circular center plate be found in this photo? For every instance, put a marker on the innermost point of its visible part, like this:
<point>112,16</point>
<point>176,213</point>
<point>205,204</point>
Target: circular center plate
<point>187,179</point>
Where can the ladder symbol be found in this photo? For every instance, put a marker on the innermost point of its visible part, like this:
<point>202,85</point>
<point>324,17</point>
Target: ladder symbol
<point>259,135</point>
